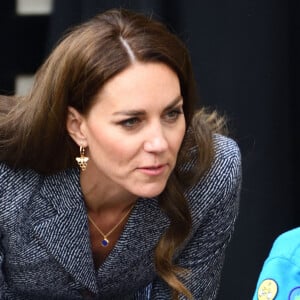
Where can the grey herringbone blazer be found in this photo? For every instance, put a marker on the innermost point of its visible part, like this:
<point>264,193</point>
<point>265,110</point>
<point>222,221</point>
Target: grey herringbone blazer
<point>45,249</point>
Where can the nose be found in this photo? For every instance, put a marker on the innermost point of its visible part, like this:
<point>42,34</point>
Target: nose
<point>156,141</point>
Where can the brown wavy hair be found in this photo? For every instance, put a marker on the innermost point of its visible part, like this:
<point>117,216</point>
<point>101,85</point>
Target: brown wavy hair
<point>33,128</point>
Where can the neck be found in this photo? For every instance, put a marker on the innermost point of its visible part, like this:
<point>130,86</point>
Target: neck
<point>101,197</point>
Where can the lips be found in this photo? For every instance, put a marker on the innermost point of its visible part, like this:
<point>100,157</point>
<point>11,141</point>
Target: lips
<point>153,170</point>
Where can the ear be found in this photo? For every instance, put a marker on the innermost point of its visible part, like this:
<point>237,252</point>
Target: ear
<point>74,126</point>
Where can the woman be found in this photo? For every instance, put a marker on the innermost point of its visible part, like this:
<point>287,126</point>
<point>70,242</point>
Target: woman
<point>151,208</point>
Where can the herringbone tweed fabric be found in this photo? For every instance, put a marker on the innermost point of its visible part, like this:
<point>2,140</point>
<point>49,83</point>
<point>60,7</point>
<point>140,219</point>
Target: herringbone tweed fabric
<point>45,250</point>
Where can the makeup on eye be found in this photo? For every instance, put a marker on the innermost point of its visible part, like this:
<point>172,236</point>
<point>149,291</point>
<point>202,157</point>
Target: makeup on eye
<point>129,123</point>
<point>173,114</point>
<point>170,116</point>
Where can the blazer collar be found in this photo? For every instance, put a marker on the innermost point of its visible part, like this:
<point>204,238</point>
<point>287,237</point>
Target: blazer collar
<point>63,227</point>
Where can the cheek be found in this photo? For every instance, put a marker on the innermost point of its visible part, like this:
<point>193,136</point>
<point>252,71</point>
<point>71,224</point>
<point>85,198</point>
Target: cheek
<point>110,148</point>
<point>178,138</point>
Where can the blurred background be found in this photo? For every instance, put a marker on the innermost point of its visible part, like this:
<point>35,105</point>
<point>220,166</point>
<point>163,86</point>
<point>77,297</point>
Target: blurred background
<point>245,55</point>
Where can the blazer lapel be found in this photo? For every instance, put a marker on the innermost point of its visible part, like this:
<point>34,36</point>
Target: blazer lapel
<point>65,231</point>
<point>138,239</point>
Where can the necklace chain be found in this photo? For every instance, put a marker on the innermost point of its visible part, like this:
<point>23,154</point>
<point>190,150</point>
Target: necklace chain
<point>105,240</point>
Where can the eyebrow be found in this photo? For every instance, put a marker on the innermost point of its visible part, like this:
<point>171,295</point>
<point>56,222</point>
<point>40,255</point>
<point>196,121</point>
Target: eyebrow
<point>143,112</point>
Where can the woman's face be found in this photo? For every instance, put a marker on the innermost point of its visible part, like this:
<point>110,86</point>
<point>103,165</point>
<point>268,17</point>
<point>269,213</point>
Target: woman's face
<point>134,130</point>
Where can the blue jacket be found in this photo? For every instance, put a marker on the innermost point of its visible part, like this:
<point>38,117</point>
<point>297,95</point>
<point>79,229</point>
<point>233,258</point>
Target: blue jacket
<point>45,249</point>
<point>280,276</point>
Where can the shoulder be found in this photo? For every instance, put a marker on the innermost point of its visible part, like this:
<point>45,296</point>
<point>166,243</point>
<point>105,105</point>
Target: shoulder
<point>281,270</point>
<point>16,185</point>
<point>219,188</point>
<point>287,245</point>
<point>13,177</point>
<point>226,166</point>
<point>226,149</point>
<point>22,182</point>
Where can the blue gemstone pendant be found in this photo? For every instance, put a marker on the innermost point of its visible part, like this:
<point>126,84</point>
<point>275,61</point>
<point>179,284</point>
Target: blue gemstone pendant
<point>104,242</point>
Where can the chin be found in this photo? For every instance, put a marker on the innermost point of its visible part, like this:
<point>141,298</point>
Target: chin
<point>151,192</point>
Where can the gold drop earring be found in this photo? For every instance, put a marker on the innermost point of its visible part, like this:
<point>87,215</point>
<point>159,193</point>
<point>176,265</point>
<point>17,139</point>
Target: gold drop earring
<point>82,159</point>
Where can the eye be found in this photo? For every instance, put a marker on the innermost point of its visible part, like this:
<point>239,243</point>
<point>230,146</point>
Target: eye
<point>130,123</point>
<point>173,114</point>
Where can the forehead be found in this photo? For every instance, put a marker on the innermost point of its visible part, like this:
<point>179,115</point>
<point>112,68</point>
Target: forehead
<point>140,83</point>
